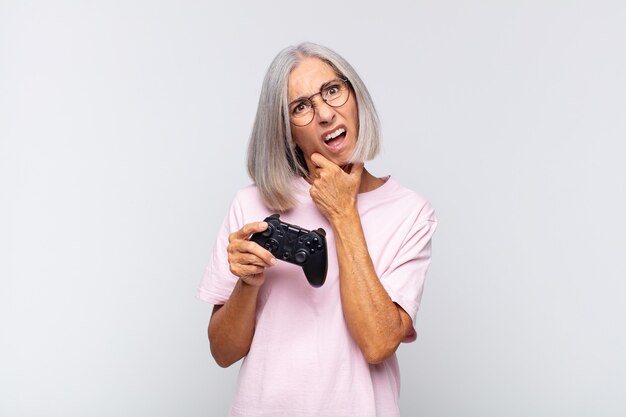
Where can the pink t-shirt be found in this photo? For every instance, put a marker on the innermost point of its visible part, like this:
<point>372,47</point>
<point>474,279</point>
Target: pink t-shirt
<point>303,360</point>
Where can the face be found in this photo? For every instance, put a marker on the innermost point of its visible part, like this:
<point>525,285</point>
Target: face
<point>320,136</point>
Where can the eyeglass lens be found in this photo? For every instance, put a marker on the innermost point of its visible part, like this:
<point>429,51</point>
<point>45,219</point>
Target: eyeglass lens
<point>334,93</point>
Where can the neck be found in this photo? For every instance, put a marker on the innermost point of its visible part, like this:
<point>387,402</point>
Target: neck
<point>369,182</point>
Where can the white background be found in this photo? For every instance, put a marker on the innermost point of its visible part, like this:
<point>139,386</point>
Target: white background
<point>123,130</point>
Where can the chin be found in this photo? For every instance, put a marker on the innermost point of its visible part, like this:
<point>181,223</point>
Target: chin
<point>341,161</point>
<point>338,161</point>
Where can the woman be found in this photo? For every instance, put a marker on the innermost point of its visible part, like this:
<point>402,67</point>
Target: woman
<point>326,351</point>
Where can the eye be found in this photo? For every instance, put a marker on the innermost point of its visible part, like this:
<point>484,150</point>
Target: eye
<point>332,90</point>
<point>299,108</point>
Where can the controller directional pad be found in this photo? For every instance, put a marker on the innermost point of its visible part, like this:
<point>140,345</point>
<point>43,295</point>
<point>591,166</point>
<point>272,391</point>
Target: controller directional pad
<point>271,245</point>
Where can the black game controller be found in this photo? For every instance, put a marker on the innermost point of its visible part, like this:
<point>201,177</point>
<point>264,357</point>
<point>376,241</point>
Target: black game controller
<point>297,246</point>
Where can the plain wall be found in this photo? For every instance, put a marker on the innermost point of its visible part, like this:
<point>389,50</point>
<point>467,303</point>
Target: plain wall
<point>123,130</point>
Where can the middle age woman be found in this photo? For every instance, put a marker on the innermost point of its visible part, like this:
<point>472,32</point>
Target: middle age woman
<point>326,351</point>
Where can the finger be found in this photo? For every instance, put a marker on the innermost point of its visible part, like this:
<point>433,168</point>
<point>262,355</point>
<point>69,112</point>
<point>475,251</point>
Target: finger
<point>261,257</point>
<point>250,259</point>
<point>319,160</point>
<point>247,230</point>
<point>246,270</point>
<point>259,252</point>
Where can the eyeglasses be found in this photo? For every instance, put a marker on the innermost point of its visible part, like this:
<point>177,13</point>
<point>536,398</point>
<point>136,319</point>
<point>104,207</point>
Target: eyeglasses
<point>335,93</point>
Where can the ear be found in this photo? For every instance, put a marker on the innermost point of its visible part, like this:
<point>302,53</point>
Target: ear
<point>300,158</point>
<point>289,142</point>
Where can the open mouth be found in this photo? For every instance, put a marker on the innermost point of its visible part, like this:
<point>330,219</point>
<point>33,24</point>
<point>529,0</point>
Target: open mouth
<point>334,139</point>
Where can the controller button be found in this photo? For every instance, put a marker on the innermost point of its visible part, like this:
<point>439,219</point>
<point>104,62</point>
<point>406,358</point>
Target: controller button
<point>268,232</point>
<point>301,256</point>
<point>271,245</point>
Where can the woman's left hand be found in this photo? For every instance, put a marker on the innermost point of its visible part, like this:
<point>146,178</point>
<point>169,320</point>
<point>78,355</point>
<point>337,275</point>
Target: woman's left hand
<point>334,190</point>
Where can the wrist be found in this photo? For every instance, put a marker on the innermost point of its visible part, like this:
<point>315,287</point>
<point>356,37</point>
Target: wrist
<point>250,285</point>
<point>344,218</point>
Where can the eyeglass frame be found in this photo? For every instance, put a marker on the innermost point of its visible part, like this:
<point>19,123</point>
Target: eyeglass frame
<point>348,85</point>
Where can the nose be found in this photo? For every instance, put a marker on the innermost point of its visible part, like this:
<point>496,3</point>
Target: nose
<point>325,114</point>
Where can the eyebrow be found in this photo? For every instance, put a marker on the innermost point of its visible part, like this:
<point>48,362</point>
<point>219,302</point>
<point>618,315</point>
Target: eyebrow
<point>320,89</point>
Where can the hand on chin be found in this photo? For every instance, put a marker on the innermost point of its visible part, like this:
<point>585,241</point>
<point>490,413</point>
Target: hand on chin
<point>343,164</point>
<point>334,189</point>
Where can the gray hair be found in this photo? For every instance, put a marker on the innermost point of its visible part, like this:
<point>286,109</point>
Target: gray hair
<point>273,160</point>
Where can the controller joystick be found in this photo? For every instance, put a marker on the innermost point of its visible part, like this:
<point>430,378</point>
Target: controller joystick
<point>301,257</point>
<point>267,232</point>
<point>296,245</point>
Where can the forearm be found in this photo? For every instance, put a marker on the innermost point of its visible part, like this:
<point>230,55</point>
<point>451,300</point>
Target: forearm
<point>232,325</point>
<point>373,319</point>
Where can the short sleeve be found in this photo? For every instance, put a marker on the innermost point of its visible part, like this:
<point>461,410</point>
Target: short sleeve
<point>404,278</point>
<point>218,282</point>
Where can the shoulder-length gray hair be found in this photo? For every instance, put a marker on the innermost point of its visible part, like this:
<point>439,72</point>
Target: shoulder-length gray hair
<point>273,159</point>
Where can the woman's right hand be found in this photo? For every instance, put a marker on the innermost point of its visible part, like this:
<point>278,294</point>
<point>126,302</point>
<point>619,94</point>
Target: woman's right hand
<point>247,259</point>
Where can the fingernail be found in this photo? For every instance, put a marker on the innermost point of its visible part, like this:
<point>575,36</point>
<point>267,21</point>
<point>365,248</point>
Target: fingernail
<point>273,261</point>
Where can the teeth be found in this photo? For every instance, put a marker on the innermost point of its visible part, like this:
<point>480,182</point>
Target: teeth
<point>335,134</point>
